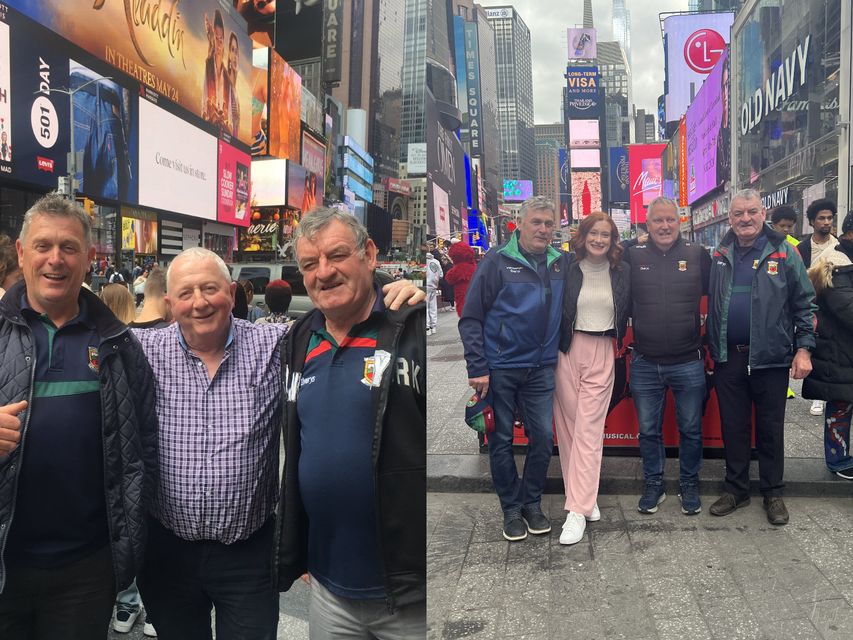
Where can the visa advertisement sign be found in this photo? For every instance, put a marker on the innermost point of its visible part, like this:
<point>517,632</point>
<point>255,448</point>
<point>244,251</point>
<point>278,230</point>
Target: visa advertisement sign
<point>583,93</point>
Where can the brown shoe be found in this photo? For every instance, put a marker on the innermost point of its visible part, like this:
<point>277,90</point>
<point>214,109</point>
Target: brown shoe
<point>726,504</point>
<point>776,512</point>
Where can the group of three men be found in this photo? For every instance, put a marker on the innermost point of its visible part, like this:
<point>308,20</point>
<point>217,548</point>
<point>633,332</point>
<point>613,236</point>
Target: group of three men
<point>759,329</point>
<point>155,453</point>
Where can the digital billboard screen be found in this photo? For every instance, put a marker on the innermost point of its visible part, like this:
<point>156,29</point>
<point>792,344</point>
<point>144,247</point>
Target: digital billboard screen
<point>313,155</point>
<point>708,148</point>
<point>177,164</point>
<point>269,183</point>
<point>585,158</point>
<point>234,181</point>
<point>583,134</point>
<point>285,109</point>
<point>518,190</point>
<point>301,187</point>
<point>586,192</point>
<point>619,176</point>
<point>645,172</point>
<point>583,92</point>
<point>582,44</point>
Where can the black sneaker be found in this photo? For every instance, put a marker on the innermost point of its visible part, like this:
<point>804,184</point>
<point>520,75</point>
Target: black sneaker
<point>514,527</point>
<point>727,503</point>
<point>847,473</point>
<point>535,520</point>
<point>690,502</point>
<point>777,513</point>
<point>652,496</point>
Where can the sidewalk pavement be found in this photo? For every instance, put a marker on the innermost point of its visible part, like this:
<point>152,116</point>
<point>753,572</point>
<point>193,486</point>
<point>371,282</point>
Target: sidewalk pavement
<point>454,463</point>
<point>664,576</point>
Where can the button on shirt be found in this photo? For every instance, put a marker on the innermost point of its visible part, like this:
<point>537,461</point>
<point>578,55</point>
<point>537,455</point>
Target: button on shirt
<point>218,438</point>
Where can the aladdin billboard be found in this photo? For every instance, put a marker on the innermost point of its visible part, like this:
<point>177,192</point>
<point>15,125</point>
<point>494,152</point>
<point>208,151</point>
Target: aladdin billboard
<point>693,44</point>
<point>646,176</point>
<point>708,140</point>
<point>195,54</point>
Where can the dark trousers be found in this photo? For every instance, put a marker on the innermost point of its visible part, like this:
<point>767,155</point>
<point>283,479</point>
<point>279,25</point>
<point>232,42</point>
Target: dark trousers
<point>738,390</point>
<point>73,602</point>
<point>182,581</point>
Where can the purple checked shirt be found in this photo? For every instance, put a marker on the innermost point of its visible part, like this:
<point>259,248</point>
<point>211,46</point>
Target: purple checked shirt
<point>218,438</point>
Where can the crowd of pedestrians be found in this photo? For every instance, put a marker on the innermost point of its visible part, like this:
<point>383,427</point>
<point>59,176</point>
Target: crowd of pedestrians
<point>542,329</point>
<point>144,448</point>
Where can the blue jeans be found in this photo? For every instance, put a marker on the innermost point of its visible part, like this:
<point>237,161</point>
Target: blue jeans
<point>649,382</point>
<point>532,390</point>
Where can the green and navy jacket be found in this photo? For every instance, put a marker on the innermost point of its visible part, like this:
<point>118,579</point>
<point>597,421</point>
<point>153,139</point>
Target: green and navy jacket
<point>782,306</point>
<point>506,322</point>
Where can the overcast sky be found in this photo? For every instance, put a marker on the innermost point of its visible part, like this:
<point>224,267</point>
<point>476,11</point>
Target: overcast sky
<point>548,21</point>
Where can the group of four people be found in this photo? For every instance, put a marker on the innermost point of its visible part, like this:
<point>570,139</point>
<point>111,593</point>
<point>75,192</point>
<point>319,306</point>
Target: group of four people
<point>539,328</point>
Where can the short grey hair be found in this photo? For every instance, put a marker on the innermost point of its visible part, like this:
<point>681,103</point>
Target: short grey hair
<point>197,254</point>
<point>56,204</point>
<point>537,203</point>
<point>155,284</point>
<point>661,200</point>
<point>746,194</point>
<point>320,218</point>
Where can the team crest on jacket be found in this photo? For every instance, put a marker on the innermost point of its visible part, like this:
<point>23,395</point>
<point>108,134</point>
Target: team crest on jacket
<point>93,359</point>
<point>682,265</point>
<point>369,371</point>
<point>772,267</point>
<point>374,368</point>
<point>755,264</point>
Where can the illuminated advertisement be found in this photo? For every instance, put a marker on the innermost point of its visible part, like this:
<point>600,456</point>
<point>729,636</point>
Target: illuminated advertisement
<point>313,155</point>
<point>440,212</point>
<point>472,78</point>
<point>333,31</point>
<point>586,192</point>
<point>583,92</point>
<point>177,164</point>
<point>234,181</point>
<point>260,98</point>
<point>518,190</point>
<point>645,173</point>
<point>674,165</point>
<point>583,134</point>
<point>582,44</point>
<point>139,235</point>
<point>619,177</point>
<point>196,54</point>
<point>705,137</point>
<point>565,187</point>
<point>285,107</point>
<point>301,187</point>
<point>693,43</point>
<point>269,183</point>
<point>585,158</point>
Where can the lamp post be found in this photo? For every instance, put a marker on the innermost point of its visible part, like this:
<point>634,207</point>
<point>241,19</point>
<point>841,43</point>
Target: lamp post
<point>69,187</point>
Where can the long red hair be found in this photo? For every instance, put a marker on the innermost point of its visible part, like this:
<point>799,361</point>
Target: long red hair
<point>614,253</point>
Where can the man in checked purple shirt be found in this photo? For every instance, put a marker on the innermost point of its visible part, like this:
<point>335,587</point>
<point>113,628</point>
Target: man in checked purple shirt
<point>218,399</point>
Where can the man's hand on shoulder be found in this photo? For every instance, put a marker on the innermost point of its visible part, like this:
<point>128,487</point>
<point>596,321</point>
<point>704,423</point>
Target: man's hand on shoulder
<point>397,292</point>
<point>480,385</point>
<point>10,426</point>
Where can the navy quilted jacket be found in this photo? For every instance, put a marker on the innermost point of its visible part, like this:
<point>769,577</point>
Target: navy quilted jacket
<point>129,427</point>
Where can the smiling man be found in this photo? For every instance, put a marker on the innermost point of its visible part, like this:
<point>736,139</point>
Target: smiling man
<point>510,327</point>
<point>76,391</point>
<point>760,325</point>
<point>352,511</point>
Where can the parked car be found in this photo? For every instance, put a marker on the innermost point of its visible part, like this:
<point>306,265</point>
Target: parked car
<point>261,273</point>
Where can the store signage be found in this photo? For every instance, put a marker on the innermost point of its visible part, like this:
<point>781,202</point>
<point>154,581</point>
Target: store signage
<point>472,77</point>
<point>398,186</point>
<point>780,196</point>
<point>781,85</point>
<point>333,23</point>
<point>498,13</point>
<point>703,49</point>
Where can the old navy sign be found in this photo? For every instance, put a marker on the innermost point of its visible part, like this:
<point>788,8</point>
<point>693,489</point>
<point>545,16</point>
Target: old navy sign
<point>472,77</point>
<point>781,85</point>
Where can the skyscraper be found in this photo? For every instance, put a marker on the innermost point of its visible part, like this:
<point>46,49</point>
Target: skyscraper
<point>515,92</point>
<point>550,138</point>
<point>618,98</point>
<point>622,27</point>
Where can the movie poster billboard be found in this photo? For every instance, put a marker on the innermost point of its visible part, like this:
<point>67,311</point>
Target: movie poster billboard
<point>196,54</point>
<point>708,147</point>
<point>586,192</point>
<point>693,43</point>
<point>582,44</point>
<point>285,109</point>
<point>233,187</point>
<point>301,187</point>
<point>645,173</point>
<point>619,177</point>
<point>583,93</point>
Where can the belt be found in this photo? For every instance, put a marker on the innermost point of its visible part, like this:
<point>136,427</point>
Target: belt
<point>606,332</point>
<point>740,348</point>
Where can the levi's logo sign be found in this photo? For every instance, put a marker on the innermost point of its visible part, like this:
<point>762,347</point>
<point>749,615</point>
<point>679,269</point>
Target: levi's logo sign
<point>44,164</point>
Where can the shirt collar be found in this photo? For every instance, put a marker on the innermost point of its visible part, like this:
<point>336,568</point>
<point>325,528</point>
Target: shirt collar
<point>186,347</point>
<point>83,316</point>
<point>318,322</point>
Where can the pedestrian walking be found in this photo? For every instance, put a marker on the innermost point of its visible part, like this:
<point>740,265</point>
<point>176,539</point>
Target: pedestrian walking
<point>434,274</point>
<point>760,328</point>
<point>510,328</point>
<point>596,305</point>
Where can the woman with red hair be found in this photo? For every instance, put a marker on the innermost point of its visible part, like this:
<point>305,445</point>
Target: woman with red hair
<point>460,274</point>
<point>596,305</point>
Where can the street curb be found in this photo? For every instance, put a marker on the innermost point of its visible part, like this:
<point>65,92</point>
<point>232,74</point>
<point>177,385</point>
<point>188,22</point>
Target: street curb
<point>469,473</point>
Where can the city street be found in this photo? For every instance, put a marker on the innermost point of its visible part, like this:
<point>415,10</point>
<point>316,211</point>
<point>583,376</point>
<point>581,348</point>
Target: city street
<point>632,576</point>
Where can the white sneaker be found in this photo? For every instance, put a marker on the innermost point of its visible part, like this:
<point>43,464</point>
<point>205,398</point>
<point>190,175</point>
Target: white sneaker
<point>124,618</point>
<point>816,408</point>
<point>573,528</point>
<point>596,514</point>
<point>148,630</point>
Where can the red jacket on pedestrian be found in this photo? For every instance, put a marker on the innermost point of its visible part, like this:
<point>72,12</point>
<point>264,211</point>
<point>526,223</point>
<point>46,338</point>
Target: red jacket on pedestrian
<point>460,274</point>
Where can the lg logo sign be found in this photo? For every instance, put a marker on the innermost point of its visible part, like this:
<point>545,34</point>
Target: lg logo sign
<point>702,50</point>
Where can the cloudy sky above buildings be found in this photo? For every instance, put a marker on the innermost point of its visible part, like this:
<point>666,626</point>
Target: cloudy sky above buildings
<point>548,21</point>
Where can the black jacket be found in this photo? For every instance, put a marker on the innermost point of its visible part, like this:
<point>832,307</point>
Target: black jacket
<point>666,289</point>
<point>399,458</point>
<point>832,361</point>
<point>129,426</point>
<point>620,282</point>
